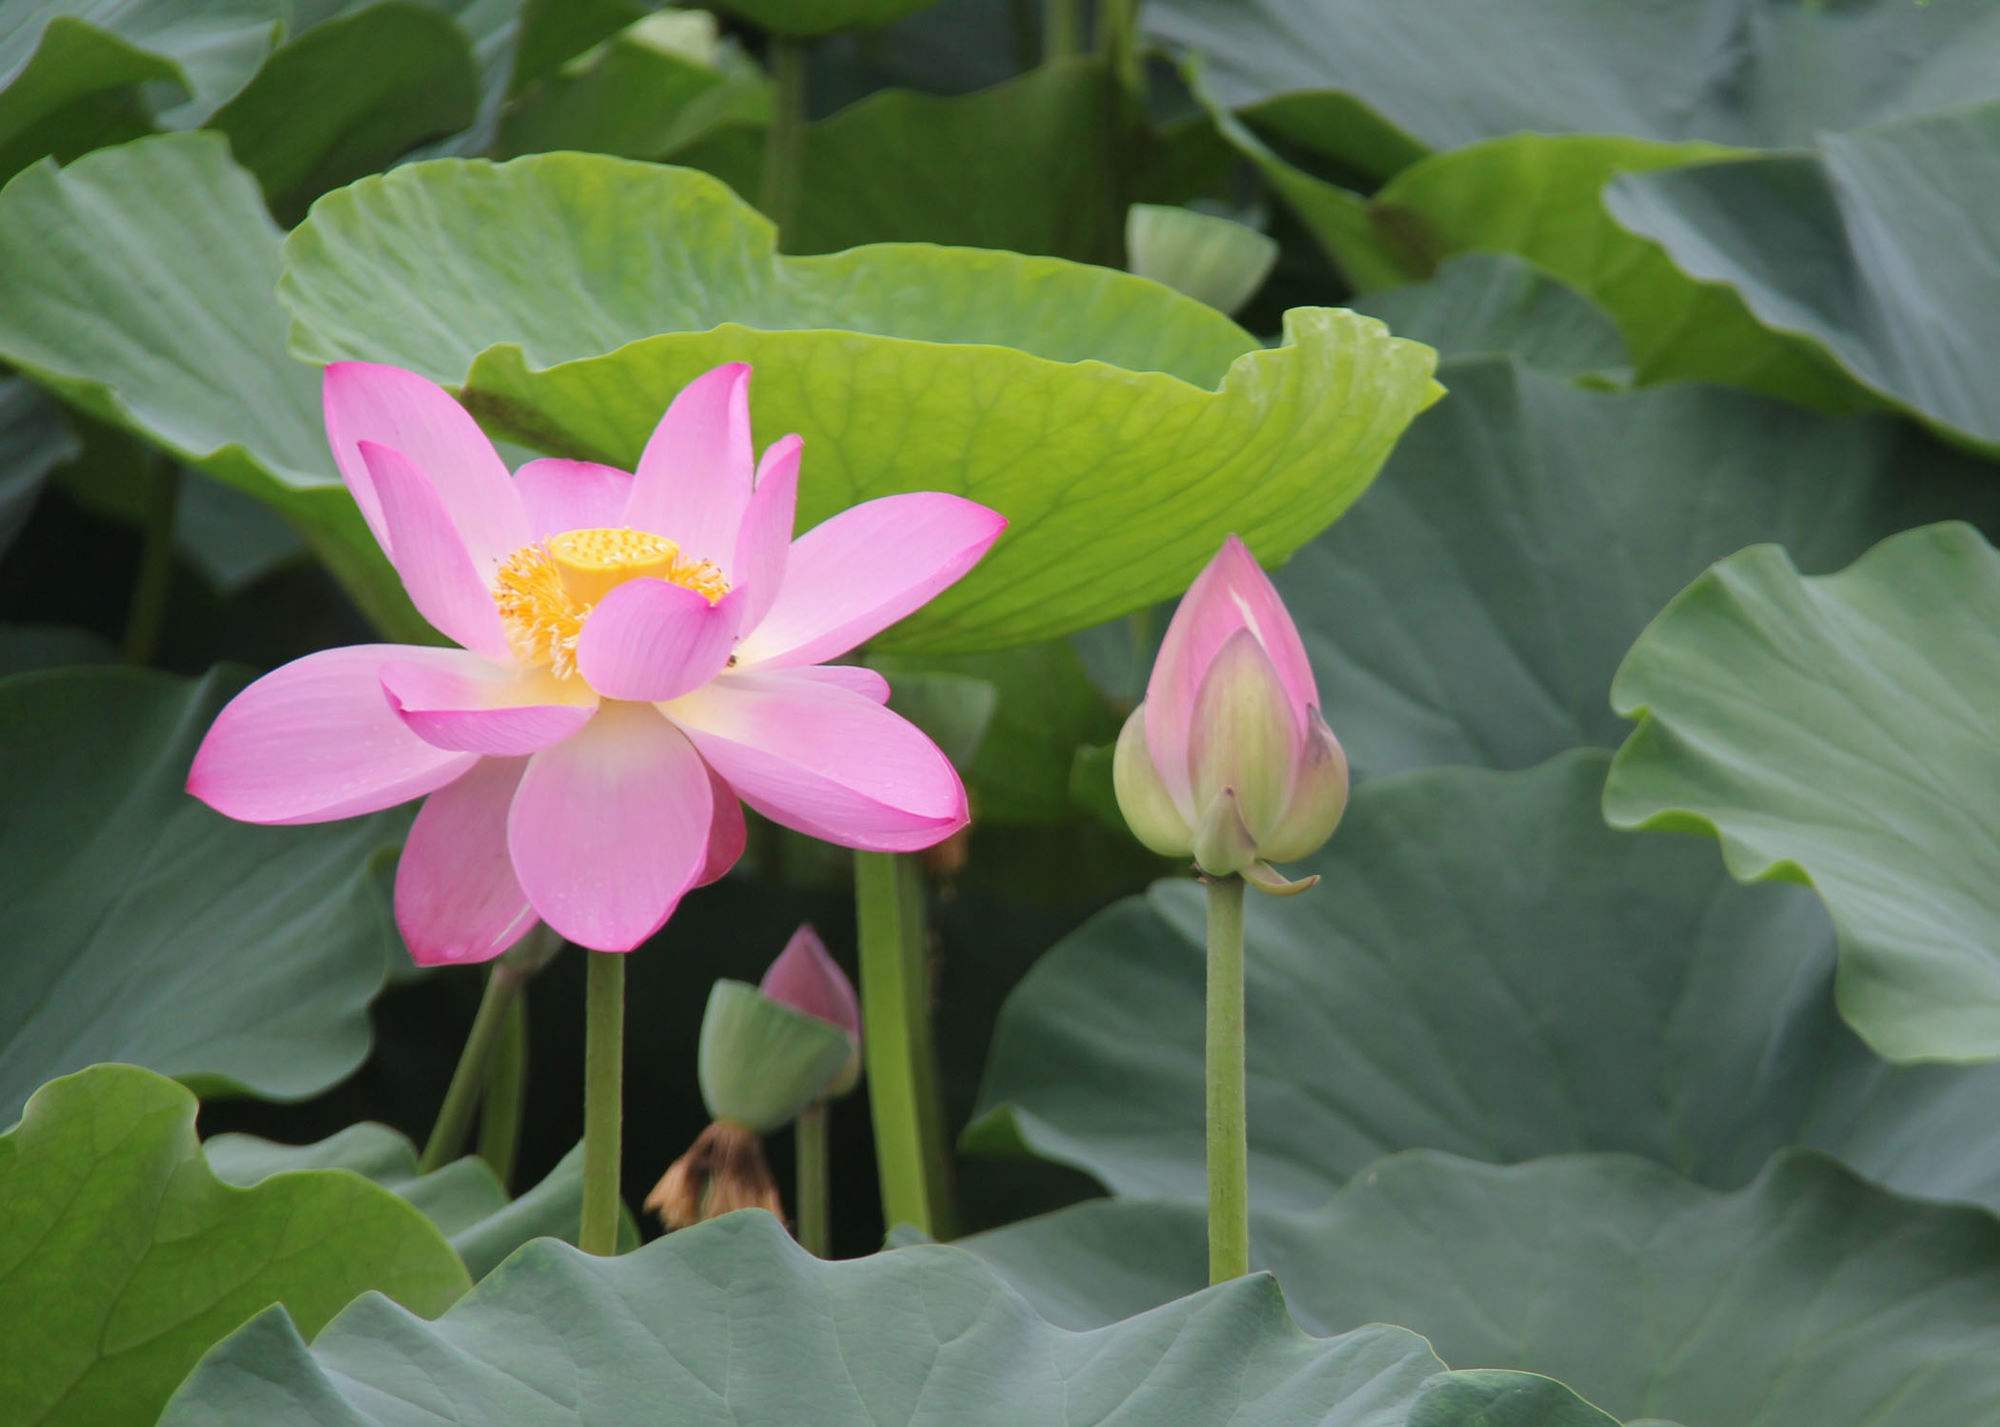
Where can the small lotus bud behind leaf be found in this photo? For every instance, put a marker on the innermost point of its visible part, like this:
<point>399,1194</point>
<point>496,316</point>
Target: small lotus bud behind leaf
<point>807,978</point>
<point>760,1061</point>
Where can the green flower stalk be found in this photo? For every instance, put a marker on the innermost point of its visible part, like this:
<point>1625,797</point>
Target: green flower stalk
<point>1229,762</point>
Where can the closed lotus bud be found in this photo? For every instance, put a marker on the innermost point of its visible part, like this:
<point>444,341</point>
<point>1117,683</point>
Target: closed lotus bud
<point>1228,759</point>
<point>807,978</point>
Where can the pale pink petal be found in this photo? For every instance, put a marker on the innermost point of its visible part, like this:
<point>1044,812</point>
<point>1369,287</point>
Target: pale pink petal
<point>651,639</point>
<point>610,828</point>
<point>315,741</point>
<point>563,495</point>
<point>400,410</point>
<point>766,537</point>
<point>806,978</point>
<point>694,476</point>
<point>482,708</point>
<point>1244,739</point>
<point>727,834</point>
<point>426,550</point>
<point>861,571</point>
<point>1232,593</point>
<point>852,677</point>
<point>824,760</point>
<point>457,899</point>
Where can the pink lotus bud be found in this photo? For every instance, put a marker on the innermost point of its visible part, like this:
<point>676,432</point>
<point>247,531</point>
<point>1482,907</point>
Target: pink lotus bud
<point>807,978</point>
<point>1228,759</point>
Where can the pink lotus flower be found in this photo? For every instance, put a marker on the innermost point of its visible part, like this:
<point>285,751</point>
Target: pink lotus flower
<point>639,651</point>
<point>807,978</point>
<point>1227,759</point>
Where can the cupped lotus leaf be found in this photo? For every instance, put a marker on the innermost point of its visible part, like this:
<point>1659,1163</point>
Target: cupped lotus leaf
<point>1808,1298</point>
<point>464,1199</point>
<point>1526,529</point>
<point>1375,83</point>
<point>1496,304</point>
<point>1843,731</point>
<point>1486,969</point>
<point>1876,246</point>
<point>142,927</point>
<point>167,243</point>
<point>78,73</point>
<point>123,1258</point>
<point>731,1322</point>
<point>1122,429</point>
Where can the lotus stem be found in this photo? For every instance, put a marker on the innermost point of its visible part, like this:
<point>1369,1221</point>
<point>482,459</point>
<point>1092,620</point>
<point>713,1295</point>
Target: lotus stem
<point>913,1162</point>
<point>603,1091</point>
<point>147,616</point>
<point>785,140</point>
<point>1228,1142</point>
<point>506,1088</point>
<point>1062,29</point>
<point>809,1138</point>
<point>468,1080</point>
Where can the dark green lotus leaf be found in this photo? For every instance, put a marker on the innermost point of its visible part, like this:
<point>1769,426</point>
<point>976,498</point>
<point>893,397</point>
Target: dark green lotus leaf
<point>464,1199</point>
<point>1844,731</point>
<point>1873,246</point>
<point>1376,83</point>
<point>730,1322</point>
<point>1495,304</point>
<point>1473,607</point>
<point>1138,426</point>
<point>123,1257</point>
<point>167,243</point>
<point>1808,1298</point>
<point>145,928</point>
<point>819,17</point>
<point>34,438</point>
<point>87,72</point>
<point>1486,969</point>
<point>347,95</point>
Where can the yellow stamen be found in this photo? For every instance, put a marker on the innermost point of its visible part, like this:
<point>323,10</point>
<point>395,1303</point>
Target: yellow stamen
<point>546,591</point>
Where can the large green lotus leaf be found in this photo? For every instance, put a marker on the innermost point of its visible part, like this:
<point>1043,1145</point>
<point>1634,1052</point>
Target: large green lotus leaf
<point>166,243</point>
<point>77,73</point>
<point>1540,197</point>
<point>34,439</point>
<point>1486,969</point>
<point>1527,528</point>
<point>1808,1298</point>
<point>463,1199</point>
<point>1374,83</point>
<point>347,96</point>
<point>123,1257</point>
<point>1843,731</point>
<point>1483,304</point>
<point>1099,436</point>
<point>142,927</point>
<point>731,1322</point>
<point>1876,245</point>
